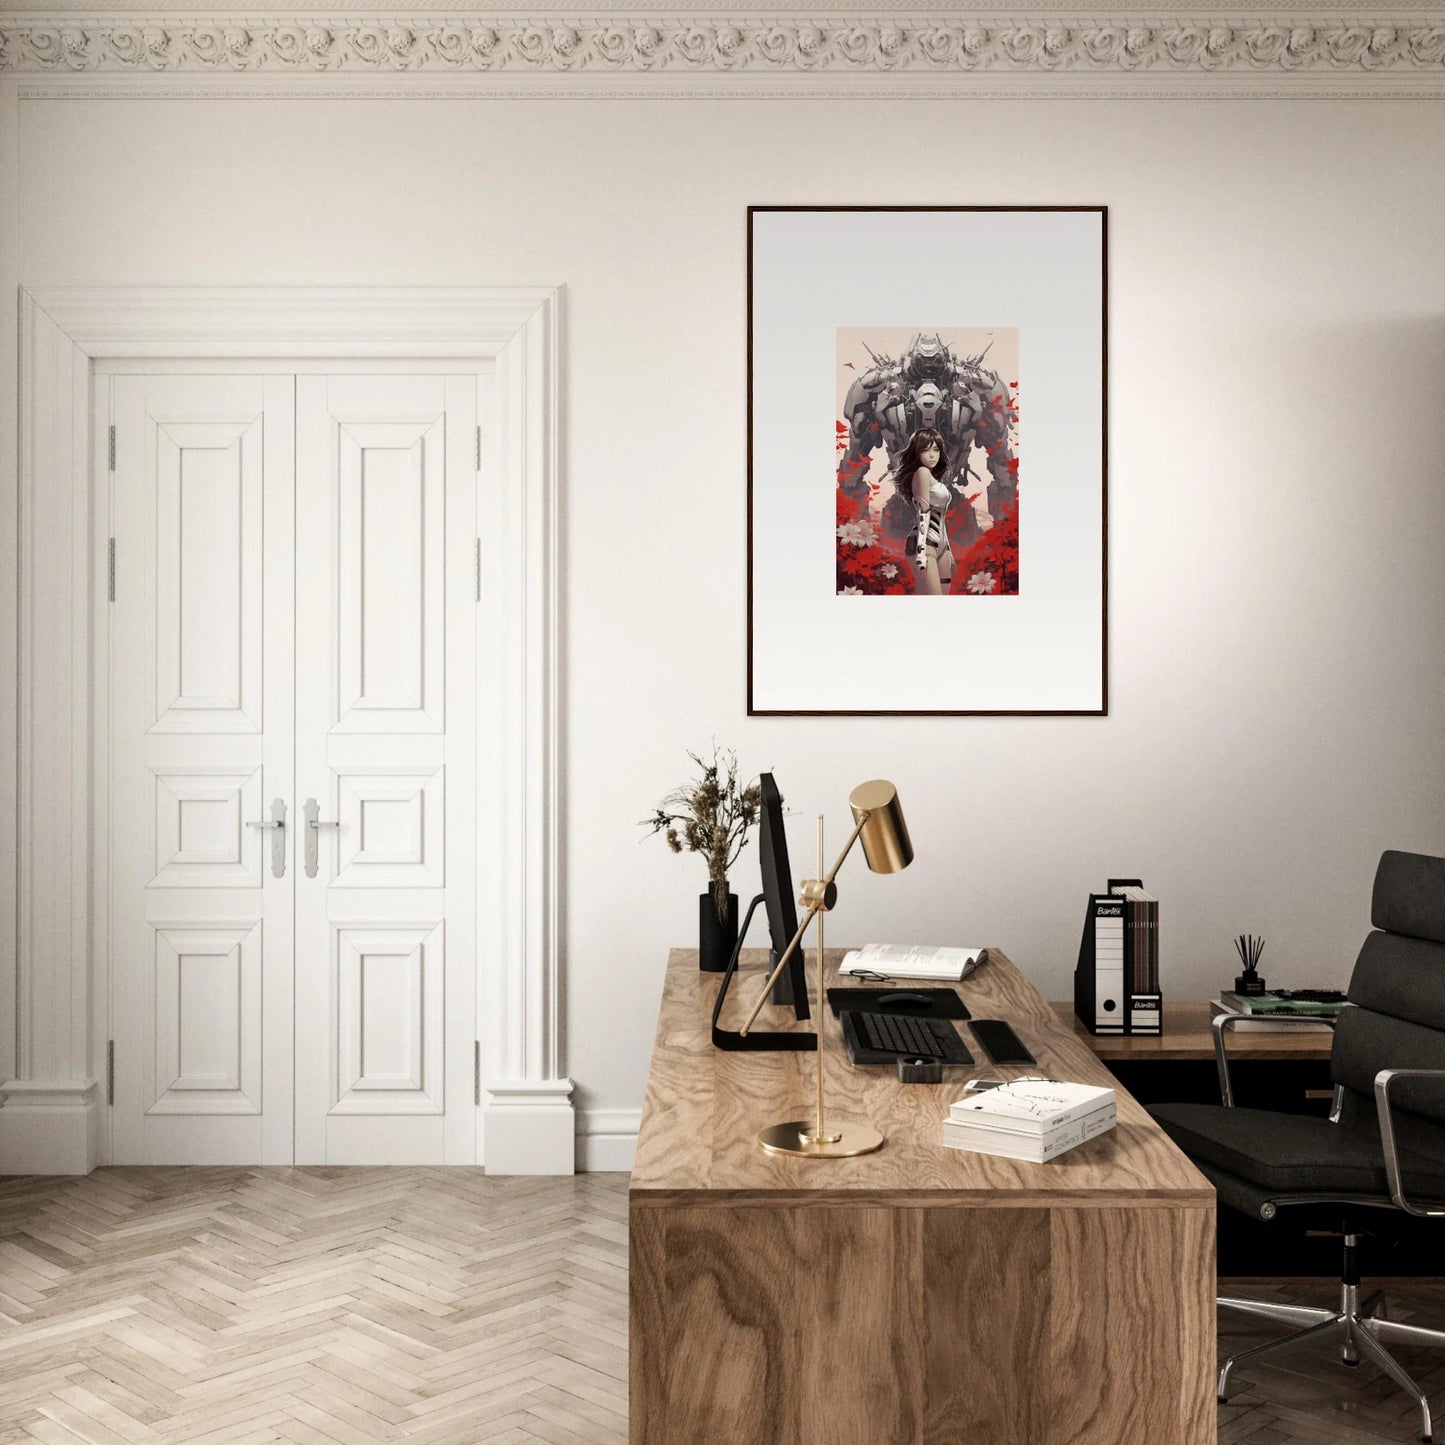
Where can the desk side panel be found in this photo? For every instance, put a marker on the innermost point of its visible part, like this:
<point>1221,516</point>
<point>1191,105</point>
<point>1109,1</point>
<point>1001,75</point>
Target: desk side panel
<point>647,1344</point>
<point>785,1326</point>
<point>1132,1353</point>
<point>986,1294</point>
<point>857,1326</point>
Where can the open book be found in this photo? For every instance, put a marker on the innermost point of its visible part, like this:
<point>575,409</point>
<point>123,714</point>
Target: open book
<point>906,960</point>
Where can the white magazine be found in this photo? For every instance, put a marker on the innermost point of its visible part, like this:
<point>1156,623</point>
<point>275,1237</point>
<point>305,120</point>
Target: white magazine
<point>907,960</point>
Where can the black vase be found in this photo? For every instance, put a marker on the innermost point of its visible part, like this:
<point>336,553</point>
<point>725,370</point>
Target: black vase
<point>716,941</point>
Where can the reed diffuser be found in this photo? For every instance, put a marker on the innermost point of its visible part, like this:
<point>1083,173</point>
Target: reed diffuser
<point>1249,948</point>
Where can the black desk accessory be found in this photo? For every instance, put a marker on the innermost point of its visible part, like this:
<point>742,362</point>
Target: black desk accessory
<point>922,1003</point>
<point>1000,1042</point>
<point>1249,948</point>
<point>919,1071</point>
<point>885,1039</point>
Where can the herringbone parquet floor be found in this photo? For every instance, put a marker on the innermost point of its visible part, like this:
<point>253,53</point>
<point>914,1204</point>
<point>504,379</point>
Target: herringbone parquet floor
<point>323,1306</point>
<point>347,1306</point>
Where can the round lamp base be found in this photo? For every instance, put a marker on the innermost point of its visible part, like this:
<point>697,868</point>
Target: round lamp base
<point>844,1141</point>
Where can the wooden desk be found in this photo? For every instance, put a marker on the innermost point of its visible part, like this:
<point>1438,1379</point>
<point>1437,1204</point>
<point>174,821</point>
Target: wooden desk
<point>1188,1036</point>
<point>920,1294</point>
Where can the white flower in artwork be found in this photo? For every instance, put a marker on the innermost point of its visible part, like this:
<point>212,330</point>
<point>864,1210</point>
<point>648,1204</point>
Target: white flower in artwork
<point>851,592</point>
<point>857,534</point>
<point>982,582</point>
<point>888,570</point>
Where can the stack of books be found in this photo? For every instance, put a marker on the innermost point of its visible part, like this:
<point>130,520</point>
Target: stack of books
<point>1032,1119</point>
<point>1261,1010</point>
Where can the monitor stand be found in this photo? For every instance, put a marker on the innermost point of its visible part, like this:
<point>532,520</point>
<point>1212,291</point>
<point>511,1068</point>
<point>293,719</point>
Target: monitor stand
<point>757,1040</point>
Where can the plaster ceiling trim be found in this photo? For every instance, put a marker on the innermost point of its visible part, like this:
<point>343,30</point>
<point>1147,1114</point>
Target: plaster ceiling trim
<point>909,55</point>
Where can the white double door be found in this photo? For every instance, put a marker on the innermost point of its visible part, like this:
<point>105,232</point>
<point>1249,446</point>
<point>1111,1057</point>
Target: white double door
<point>292,804</point>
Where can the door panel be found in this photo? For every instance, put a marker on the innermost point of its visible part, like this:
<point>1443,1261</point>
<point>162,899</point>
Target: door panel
<point>385,735</point>
<point>207,983</point>
<point>201,743</point>
<point>209,504</point>
<point>390,627</point>
<point>295,620</point>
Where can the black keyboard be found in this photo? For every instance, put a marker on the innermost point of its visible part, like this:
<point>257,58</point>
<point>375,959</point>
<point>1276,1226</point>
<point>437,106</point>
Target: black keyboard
<point>901,1037</point>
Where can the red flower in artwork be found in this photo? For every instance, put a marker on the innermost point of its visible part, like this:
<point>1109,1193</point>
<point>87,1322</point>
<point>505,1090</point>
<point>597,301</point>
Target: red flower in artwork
<point>995,555</point>
<point>868,562</point>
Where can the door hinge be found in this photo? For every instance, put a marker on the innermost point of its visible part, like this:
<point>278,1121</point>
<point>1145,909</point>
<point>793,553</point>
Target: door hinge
<point>479,450</point>
<point>110,569</point>
<point>479,569</point>
<point>110,1072</point>
<point>477,1072</point>
<point>112,448</point>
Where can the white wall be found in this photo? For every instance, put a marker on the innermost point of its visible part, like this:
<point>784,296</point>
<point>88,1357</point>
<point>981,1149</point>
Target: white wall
<point>1277,495</point>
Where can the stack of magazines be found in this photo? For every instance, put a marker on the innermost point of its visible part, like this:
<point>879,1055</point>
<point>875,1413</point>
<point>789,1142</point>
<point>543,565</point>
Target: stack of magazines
<point>1033,1119</point>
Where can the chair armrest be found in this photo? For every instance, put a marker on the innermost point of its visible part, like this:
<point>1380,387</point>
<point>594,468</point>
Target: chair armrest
<point>1222,1023</point>
<point>1383,1080</point>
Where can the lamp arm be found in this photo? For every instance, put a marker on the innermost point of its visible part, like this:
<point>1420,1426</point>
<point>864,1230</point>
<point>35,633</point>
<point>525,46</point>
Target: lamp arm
<point>847,848</point>
<point>814,908</point>
<point>788,952</point>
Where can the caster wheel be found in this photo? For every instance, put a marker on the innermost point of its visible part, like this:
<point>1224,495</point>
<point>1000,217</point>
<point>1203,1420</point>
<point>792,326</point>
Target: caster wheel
<point>1353,1364</point>
<point>1221,1399</point>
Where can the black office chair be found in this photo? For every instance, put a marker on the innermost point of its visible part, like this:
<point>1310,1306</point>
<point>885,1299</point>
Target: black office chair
<point>1382,1150</point>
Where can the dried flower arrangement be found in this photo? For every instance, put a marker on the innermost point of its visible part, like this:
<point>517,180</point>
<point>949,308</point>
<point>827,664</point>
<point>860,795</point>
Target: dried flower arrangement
<point>712,816</point>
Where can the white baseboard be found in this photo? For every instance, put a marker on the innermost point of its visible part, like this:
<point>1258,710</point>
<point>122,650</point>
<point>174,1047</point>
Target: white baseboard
<point>49,1128</point>
<point>55,1129</point>
<point>530,1127</point>
<point>607,1139</point>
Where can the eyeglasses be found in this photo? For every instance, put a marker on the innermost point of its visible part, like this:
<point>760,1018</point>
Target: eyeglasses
<point>868,976</point>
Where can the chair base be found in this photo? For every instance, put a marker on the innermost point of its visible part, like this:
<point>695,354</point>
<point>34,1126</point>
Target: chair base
<point>1360,1326</point>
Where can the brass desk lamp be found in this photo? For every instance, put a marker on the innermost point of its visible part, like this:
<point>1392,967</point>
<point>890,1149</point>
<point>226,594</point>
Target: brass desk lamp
<point>878,821</point>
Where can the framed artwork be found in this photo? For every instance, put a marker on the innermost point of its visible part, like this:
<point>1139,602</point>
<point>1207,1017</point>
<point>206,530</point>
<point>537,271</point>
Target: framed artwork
<point>927,460</point>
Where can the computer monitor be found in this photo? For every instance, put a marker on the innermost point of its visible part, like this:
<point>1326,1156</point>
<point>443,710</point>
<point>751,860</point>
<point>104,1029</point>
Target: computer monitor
<point>791,988</point>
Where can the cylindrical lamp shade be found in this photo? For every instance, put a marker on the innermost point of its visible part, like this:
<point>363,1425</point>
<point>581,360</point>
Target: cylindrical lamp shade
<point>886,843</point>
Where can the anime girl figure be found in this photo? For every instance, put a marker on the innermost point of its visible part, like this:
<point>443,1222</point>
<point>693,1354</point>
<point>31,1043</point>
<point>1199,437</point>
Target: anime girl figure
<point>917,486</point>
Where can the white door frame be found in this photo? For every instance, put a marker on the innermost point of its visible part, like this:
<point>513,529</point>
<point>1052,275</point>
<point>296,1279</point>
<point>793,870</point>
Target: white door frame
<point>51,1114</point>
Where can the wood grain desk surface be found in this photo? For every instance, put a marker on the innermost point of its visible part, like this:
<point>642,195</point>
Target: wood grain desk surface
<point>704,1106</point>
<point>1187,1035</point>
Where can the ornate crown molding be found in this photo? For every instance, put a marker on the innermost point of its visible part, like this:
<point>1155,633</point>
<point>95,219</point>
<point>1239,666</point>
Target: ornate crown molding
<point>712,48</point>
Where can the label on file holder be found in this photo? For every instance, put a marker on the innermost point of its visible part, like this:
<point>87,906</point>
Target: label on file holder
<point>1144,1016</point>
<point>1109,1003</point>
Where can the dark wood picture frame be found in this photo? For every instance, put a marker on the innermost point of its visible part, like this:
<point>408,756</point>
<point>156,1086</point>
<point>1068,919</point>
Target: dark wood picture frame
<point>1102,709</point>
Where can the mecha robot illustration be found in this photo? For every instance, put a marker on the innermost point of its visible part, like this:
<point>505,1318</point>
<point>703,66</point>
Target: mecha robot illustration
<point>930,386</point>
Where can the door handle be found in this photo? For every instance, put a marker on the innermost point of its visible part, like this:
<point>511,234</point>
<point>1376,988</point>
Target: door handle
<point>277,822</point>
<point>314,825</point>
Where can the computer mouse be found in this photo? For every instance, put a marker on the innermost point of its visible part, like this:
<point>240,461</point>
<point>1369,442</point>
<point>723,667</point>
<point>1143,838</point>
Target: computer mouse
<point>902,1000</point>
